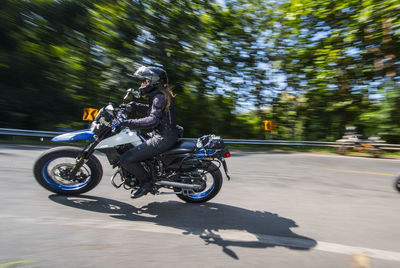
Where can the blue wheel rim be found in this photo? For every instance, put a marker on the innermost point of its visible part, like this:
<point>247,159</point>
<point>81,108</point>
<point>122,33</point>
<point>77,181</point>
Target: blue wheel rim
<point>49,181</point>
<point>205,193</point>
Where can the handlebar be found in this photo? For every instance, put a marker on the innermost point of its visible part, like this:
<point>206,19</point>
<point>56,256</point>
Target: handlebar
<point>120,116</point>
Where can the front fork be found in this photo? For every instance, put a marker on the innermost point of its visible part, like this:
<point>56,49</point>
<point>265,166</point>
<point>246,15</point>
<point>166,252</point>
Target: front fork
<point>82,158</point>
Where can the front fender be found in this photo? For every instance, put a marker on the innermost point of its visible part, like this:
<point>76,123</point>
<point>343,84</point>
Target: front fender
<point>85,134</point>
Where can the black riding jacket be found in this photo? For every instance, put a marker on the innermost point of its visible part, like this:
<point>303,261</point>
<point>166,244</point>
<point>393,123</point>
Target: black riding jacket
<point>159,119</point>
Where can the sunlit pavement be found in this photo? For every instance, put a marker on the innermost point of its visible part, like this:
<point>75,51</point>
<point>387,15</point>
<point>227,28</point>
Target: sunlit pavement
<point>279,210</point>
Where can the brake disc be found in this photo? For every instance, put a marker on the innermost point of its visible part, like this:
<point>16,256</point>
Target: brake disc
<point>61,172</point>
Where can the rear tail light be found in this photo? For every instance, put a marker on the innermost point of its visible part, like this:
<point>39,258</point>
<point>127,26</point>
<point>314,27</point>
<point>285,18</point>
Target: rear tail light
<point>227,154</point>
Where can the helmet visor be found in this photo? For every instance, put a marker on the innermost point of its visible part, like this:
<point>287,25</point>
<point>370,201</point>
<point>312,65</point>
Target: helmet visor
<point>144,73</point>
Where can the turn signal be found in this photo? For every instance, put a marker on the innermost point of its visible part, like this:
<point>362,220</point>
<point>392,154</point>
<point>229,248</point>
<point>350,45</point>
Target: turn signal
<point>227,154</point>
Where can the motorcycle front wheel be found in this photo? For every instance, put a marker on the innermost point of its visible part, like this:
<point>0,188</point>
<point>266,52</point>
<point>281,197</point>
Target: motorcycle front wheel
<point>52,167</point>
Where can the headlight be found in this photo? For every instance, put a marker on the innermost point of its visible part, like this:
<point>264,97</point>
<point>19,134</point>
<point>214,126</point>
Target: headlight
<point>94,126</point>
<point>98,115</point>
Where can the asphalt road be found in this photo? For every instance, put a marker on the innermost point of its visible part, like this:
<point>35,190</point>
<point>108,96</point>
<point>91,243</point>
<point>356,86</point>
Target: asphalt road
<point>279,210</point>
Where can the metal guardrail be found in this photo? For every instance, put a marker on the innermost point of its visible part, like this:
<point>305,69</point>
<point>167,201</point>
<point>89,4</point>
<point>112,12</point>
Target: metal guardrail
<point>275,142</point>
<point>30,133</point>
<point>383,146</point>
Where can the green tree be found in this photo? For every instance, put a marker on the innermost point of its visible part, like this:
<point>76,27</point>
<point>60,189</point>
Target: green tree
<point>338,50</point>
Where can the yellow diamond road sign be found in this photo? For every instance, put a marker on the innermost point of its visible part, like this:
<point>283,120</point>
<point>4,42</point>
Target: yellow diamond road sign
<point>89,114</point>
<point>269,125</point>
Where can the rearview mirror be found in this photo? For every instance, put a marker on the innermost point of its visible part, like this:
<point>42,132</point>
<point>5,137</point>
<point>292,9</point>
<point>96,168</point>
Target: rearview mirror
<point>136,94</point>
<point>128,92</point>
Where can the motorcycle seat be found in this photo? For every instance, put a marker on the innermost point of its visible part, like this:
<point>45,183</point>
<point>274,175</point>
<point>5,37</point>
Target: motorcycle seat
<point>182,147</point>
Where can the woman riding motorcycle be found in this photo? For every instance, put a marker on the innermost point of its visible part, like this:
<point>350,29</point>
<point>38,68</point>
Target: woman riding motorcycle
<point>160,117</point>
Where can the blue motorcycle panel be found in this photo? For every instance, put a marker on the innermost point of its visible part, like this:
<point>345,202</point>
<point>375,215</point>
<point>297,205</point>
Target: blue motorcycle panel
<point>85,134</point>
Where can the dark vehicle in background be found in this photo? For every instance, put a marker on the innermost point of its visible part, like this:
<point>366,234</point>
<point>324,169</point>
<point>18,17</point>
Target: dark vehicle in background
<point>397,183</point>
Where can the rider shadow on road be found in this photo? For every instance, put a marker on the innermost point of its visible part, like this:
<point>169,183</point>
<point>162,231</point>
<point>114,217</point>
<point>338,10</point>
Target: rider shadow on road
<point>214,223</point>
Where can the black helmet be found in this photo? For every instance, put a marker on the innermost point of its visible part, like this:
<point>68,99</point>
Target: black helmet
<point>157,78</point>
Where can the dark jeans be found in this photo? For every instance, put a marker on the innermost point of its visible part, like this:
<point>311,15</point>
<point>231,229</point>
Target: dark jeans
<point>157,144</point>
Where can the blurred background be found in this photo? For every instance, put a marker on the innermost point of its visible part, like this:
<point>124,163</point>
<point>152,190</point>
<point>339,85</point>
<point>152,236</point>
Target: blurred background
<point>312,67</point>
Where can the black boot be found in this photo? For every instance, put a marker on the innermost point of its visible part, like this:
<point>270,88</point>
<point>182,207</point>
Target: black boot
<point>143,190</point>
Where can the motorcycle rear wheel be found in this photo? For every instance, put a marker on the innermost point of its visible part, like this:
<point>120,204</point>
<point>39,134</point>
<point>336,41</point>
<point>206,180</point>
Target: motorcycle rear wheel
<point>50,166</point>
<point>212,189</point>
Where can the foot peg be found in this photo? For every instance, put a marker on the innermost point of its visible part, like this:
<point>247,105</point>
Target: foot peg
<point>143,190</point>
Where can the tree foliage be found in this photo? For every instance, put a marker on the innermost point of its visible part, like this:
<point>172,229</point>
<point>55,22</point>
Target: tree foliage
<point>342,56</point>
<point>314,67</point>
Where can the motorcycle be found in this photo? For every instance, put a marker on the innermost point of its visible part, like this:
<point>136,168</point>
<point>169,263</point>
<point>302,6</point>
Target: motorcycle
<point>190,170</point>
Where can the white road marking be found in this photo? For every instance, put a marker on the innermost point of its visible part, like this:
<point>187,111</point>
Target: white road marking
<point>226,235</point>
<point>344,249</point>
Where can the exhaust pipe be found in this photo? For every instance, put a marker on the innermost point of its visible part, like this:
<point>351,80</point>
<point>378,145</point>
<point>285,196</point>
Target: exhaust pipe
<point>178,185</point>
